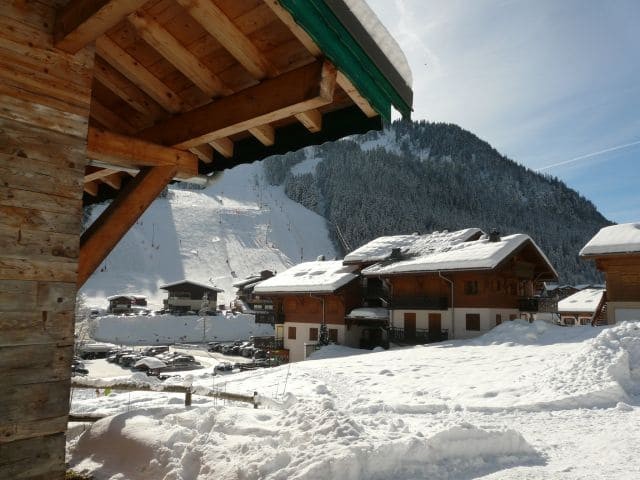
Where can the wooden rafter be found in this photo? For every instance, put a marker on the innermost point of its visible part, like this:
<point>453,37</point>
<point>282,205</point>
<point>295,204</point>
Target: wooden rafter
<point>126,90</point>
<point>97,174</point>
<point>311,119</point>
<point>119,150</point>
<point>80,22</point>
<point>114,180</point>
<point>104,234</point>
<point>219,26</point>
<point>109,119</point>
<point>266,134</point>
<point>203,152</point>
<point>91,188</point>
<point>173,51</point>
<point>304,38</point>
<point>111,52</point>
<point>224,146</point>
<point>297,91</point>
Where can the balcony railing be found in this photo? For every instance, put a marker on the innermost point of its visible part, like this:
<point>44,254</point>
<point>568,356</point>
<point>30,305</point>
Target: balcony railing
<point>417,336</point>
<point>528,304</point>
<point>418,302</point>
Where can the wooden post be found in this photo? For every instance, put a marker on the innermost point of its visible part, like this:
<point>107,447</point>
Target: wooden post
<point>187,398</point>
<point>45,97</point>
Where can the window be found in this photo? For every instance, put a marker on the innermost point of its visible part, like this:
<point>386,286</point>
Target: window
<point>473,322</point>
<point>268,306</point>
<point>471,287</point>
<point>292,333</point>
<point>498,319</point>
<point>333,335</point>
<point>313,334</point>
<point>257,306</point>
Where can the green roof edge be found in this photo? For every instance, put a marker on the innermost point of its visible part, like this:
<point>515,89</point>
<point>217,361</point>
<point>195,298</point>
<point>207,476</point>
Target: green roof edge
<point>339,46</point>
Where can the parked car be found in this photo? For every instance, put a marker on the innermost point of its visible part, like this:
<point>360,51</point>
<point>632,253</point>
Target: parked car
<point>155,350</point>
<point>129,359</point>
<point>259,354</point>
<point>78,368</point>
<point>223,367</point>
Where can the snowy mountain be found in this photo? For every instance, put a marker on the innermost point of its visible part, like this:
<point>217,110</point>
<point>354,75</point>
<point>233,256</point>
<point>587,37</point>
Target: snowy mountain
<point>232,229</point>
<point>422,177</point>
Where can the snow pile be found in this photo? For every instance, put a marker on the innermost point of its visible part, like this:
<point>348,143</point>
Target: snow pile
<point>522,332</point>
<point>623,238</point>
<point>335,351</point>
<point>302,442</point>
<point>150,330</point>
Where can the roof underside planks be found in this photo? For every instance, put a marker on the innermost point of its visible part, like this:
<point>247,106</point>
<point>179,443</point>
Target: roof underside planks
<point>222,78</point>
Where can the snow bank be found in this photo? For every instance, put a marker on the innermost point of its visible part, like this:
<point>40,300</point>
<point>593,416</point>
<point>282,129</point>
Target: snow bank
<point>149,330</point>
<point>539,332</point>
<point>335,351</point>
<point>304,442</point>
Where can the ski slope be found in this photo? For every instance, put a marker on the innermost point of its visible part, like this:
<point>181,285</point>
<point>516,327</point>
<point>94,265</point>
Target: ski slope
<point>236,227</point>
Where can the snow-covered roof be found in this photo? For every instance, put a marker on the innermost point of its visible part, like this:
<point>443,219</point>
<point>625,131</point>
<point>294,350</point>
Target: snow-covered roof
<point>190,282</point>
<point>373,313</point>
<point>586,300</point>
<point>309,277</point>
<point>481,254</point>
<point>130,296</point>
<point>623,238</point>
<point>380,248</point>
<point>382,37</point>
<point>246,281</point>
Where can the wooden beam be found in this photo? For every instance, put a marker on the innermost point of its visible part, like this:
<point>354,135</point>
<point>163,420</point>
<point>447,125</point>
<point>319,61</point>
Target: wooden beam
<point>105,233</point>
<point>91,188</point>
<point>114,181</point>
<point>127,91</point>
<point>203,152</point>
<point>265,133</point>
<point>220,27</point>
<point>354,94</point>
<point>80,22</point>
<point>311,119</point>
<point>113,54</point>
<point>180,57</point>
<point>98,173</point>
<point>304,38</point>
<point>114,149</point>
<point>109,119</point>
<point>224,146</point>
<point>297,91</point>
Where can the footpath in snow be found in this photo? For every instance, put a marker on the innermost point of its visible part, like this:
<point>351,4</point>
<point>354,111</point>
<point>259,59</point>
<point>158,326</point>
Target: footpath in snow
<point>523,401</point>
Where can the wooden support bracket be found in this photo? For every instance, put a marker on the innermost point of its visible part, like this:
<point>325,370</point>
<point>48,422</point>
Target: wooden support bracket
<point>104,234</point>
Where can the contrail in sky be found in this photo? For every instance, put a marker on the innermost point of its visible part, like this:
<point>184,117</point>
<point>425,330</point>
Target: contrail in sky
<point>589,155</point>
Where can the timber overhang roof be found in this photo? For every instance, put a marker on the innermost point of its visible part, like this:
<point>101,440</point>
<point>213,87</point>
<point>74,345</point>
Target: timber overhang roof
<point>207,84</point>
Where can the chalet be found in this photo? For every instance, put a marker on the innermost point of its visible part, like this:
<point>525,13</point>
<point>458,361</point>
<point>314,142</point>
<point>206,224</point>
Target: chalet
<point>310,297</point>
<point>115,99</point>
<point>581,307</point>
<point>453,284</point>
<point>248,301</point>
<point>185,295</point>
<point>616,251</point>
<point>126,303</point>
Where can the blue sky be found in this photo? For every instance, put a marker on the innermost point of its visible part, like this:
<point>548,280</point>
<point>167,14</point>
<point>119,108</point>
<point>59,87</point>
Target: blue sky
<point>552,84</point>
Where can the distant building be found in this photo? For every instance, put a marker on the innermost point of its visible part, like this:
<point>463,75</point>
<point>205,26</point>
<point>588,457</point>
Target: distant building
<point>453,284</point>
<point>581,307</point>
<point>185,295</point>
<point>248,301</point>
<point>126,303</point>
<point>309,297</point>
<point>616,251</point>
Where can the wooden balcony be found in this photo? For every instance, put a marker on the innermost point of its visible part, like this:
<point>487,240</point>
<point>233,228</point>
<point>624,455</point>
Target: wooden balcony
<point>419,303</point>
<point>418,336</point>
<point>528,304</point>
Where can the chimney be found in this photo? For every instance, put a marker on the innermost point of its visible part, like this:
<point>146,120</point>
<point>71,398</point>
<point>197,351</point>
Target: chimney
<point>494,236</point>
<point>395,254</point>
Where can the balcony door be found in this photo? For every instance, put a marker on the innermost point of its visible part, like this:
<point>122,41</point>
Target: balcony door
<point>435,323</point>
<point>410,325</point>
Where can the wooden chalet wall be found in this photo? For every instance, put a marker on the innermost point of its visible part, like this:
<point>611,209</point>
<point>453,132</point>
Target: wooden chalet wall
<point>305,308</point>
<point>44,110</point>
<point>623,277</point>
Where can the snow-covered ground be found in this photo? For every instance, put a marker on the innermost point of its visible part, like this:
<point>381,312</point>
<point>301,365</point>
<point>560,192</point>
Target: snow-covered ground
<point>523,401</point>
<point>234,228</point>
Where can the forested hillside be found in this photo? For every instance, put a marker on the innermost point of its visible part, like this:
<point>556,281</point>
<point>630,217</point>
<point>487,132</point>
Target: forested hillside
<point>420,177</point>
